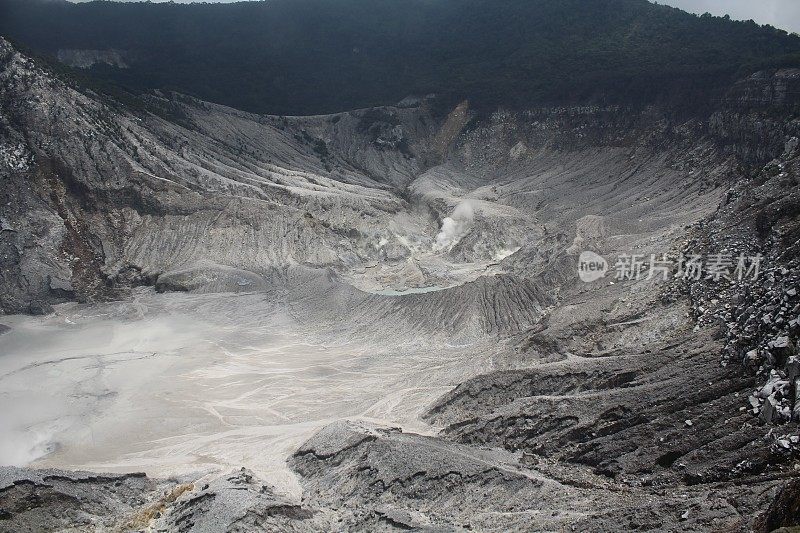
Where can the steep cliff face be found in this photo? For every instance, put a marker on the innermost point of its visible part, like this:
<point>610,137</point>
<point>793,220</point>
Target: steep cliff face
<point>100,197</point>
<point>127,194</point>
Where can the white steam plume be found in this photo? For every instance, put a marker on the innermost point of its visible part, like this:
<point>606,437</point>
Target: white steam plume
<point>455,226</point>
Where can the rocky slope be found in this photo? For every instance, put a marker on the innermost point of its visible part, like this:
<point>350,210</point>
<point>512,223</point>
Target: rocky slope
<point>617,404</point>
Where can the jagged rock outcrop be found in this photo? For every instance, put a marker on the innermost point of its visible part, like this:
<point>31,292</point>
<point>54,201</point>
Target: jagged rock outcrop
<point>235,502</point>
<point>388,474</point>
<point>83,58</point>
<point>55,500</point>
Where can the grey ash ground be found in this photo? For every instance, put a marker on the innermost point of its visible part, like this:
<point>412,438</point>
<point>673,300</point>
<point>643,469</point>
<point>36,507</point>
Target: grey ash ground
<point>535,401</point>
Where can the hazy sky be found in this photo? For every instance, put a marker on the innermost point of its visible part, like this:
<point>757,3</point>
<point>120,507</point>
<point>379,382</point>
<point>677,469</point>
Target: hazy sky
<point>783,14</point>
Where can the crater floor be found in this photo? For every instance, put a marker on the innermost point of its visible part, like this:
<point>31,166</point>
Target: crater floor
<point>177,383</point>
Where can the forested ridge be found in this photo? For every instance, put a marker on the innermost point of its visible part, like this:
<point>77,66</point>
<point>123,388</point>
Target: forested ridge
<point>320,56</point>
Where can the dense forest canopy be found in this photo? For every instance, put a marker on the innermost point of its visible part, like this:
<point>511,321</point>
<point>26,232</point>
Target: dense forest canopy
<point>320,56</point>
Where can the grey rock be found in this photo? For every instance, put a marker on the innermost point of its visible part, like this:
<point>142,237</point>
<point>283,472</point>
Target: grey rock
<point>39,308</point>
<point>796,410</point>
<point>769,411</point>
<point>782,347</point>
<point>55,500</point>
<point>395,252</point>
<point>235,502</point>
<point>792,368</point>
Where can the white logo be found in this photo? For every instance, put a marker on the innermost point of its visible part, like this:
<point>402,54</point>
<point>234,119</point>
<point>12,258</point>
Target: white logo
<point>591,266</point>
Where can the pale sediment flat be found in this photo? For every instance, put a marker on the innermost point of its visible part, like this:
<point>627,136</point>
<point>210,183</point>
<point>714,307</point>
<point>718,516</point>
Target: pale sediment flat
<point>184,384</point>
